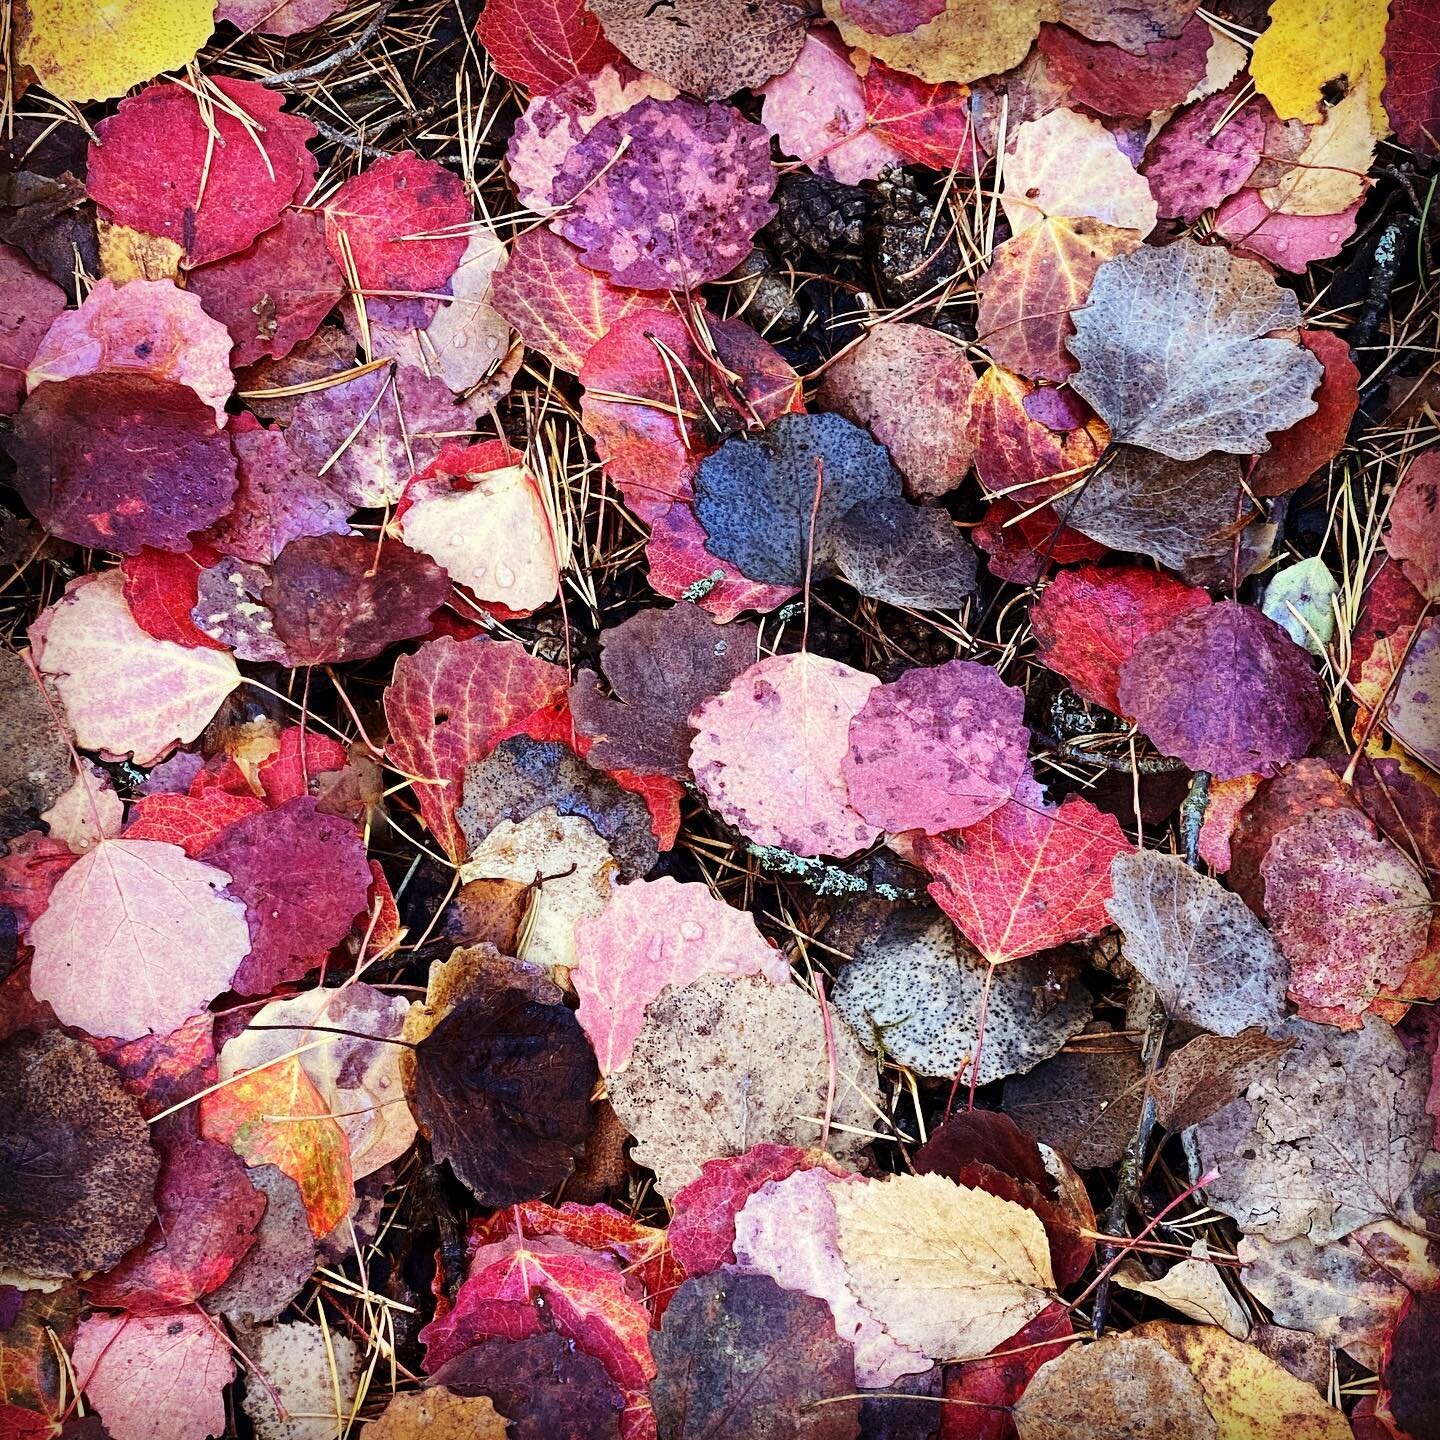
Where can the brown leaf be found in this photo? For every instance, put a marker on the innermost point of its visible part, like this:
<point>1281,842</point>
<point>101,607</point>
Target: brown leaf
<point>1209,1072</point>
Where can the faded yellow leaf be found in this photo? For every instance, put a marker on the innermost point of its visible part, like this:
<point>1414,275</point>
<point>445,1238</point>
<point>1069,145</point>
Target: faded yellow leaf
<point>967,40</point>
<point>437,1414</point>
<point>98,49</point>
<point>946,1269</point>
<point>1310,44</point>
<point>1249,1395</point>
<point>127,254</point>
<point>1329,175</point>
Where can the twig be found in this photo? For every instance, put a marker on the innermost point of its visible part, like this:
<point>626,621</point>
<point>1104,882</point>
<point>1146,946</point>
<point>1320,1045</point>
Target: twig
<point>347,51</point>
<point>1392,245</point>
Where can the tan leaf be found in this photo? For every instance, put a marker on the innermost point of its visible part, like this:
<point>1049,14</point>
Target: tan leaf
<point>437,1414</point>
<point>724,1064</point>
<point>1068,164</point>
<point>949,1270</point>
<point>1194,1287</point>
<point>1330,174</point>
<point>310,1374</point>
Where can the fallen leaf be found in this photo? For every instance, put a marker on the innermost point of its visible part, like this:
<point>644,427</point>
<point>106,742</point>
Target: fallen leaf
<point>334,598</point>
<point>909,386</point>
<point>769,750</point>
<point>723,1064</point>
<point>544,1386</point>
<point>190,821</point>
<point>287,17</point>
<point>1349,1293</point>
<point>1236,384</point>
<point>438,1413</point>
<point>1245,1390</point>
<point>1212,963</point>
<point>711,48</point>
<point>914,995</point>
<point>502,1089</point>
<point>963,41</point>
<point>1307,47</point>
<point>1068,165</point>
<point>651,934</point>
<point>737,1355</point>
<point>358,1078</point>
<point>1125,1386</point>
<point>1301,599</point>
<point>35,764</point>
<point>567,864</point>
<point>1161,75</point>
<point>1088,621</point>
<point>1351,1108</point>
<point>311,1373</point>
<point>155,1377</point>
<point>1193,1287</point>
<point>302,878</point>
<point>149,326</point>
<point>816,111</point>
<point>136,911</point>
<point>1037,278</point>
<point>1410,713</point>
<point>1027,877</point>
<point>275,292</point>
<point>119,461</point>
<point>1412,84</point>
<point>928,124</point>
<point>402,221</point>
<point>1412,539</point>
<point>1225,689</point>
<point>542,46</point>
<point>480,515</point>
<point>521,777</point>
<point>83,54</point>
<point>682,568</point>
<point>88,811</point>
<point>557,306</point>
<point>31,1375</point>
<point>210,182</point>
<point>1329,175</point>
<point>277,1117</point>
<point>946,1269</point>
<point>32,303</point>
<point>277,501</point>
<point>1291,242</point>
<point>368,437</point>
<point>269,1275</point>
<point>1349,910</point>
<point>79,1187</point>
<point>162,590</point>
<point>208,1210</point>
<point>1192,167</point>
<point>938,749</point>
<point>1205,1074</point>
<point>555,123</point>
<point>694,226</point>
<point>1405,1371</point>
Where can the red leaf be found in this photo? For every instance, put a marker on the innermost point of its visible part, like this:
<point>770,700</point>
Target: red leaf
<point>541,44</point>
<point>31,301</point>
<point>154,166</point>
<point>982,1393</point>
<point>162,1070</point>
<point>208,1213</point>
<point>1192,167</point>
<point>1414,534</point>
<point>1292,242</point>
<point>928,124</point>
<point>1112,81</point>
<point>1297,453</point>
<point>1024,549</point>
<point>302,756</point>
<point>160,589</point>
<point>1089,620</point>
<point>381,209</point>
<point>190,821</point>
<point>303,878</point>
<point>1026,878</point>
<point>1412,75</point>
<point>449,704</point>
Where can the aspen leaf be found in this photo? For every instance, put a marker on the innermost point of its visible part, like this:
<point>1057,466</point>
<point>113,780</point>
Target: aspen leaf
<point>541,46</point>
<point>949,1270</point>
<point>312,1375</point>
<point>1414,534</point>
<point>1310,45</point>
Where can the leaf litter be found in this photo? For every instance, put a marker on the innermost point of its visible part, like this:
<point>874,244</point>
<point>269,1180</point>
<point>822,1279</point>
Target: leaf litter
<point>719,690</point>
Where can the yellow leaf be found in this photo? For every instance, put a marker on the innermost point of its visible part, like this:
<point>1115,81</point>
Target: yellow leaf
<point>98,49</point>
<point>1249,1395</point>
<point>967,40</point>
<point>127,254</point>
<point>1329,175</point>
<point>1311,44</point>
<point>946,1269</point>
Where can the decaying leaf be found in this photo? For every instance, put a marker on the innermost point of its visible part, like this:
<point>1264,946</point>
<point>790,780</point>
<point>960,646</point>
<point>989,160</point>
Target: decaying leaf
<point>722,1064</point>
<point>439,1414</point>
<point>1236,384</point>
<point>79,1183</point>
<point>948,1269</point>
<point>1329,1142</point>
<point>737,1356</point>
<point>312,1374</point>
<point>914,995</point>
<point>1210,960</point>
